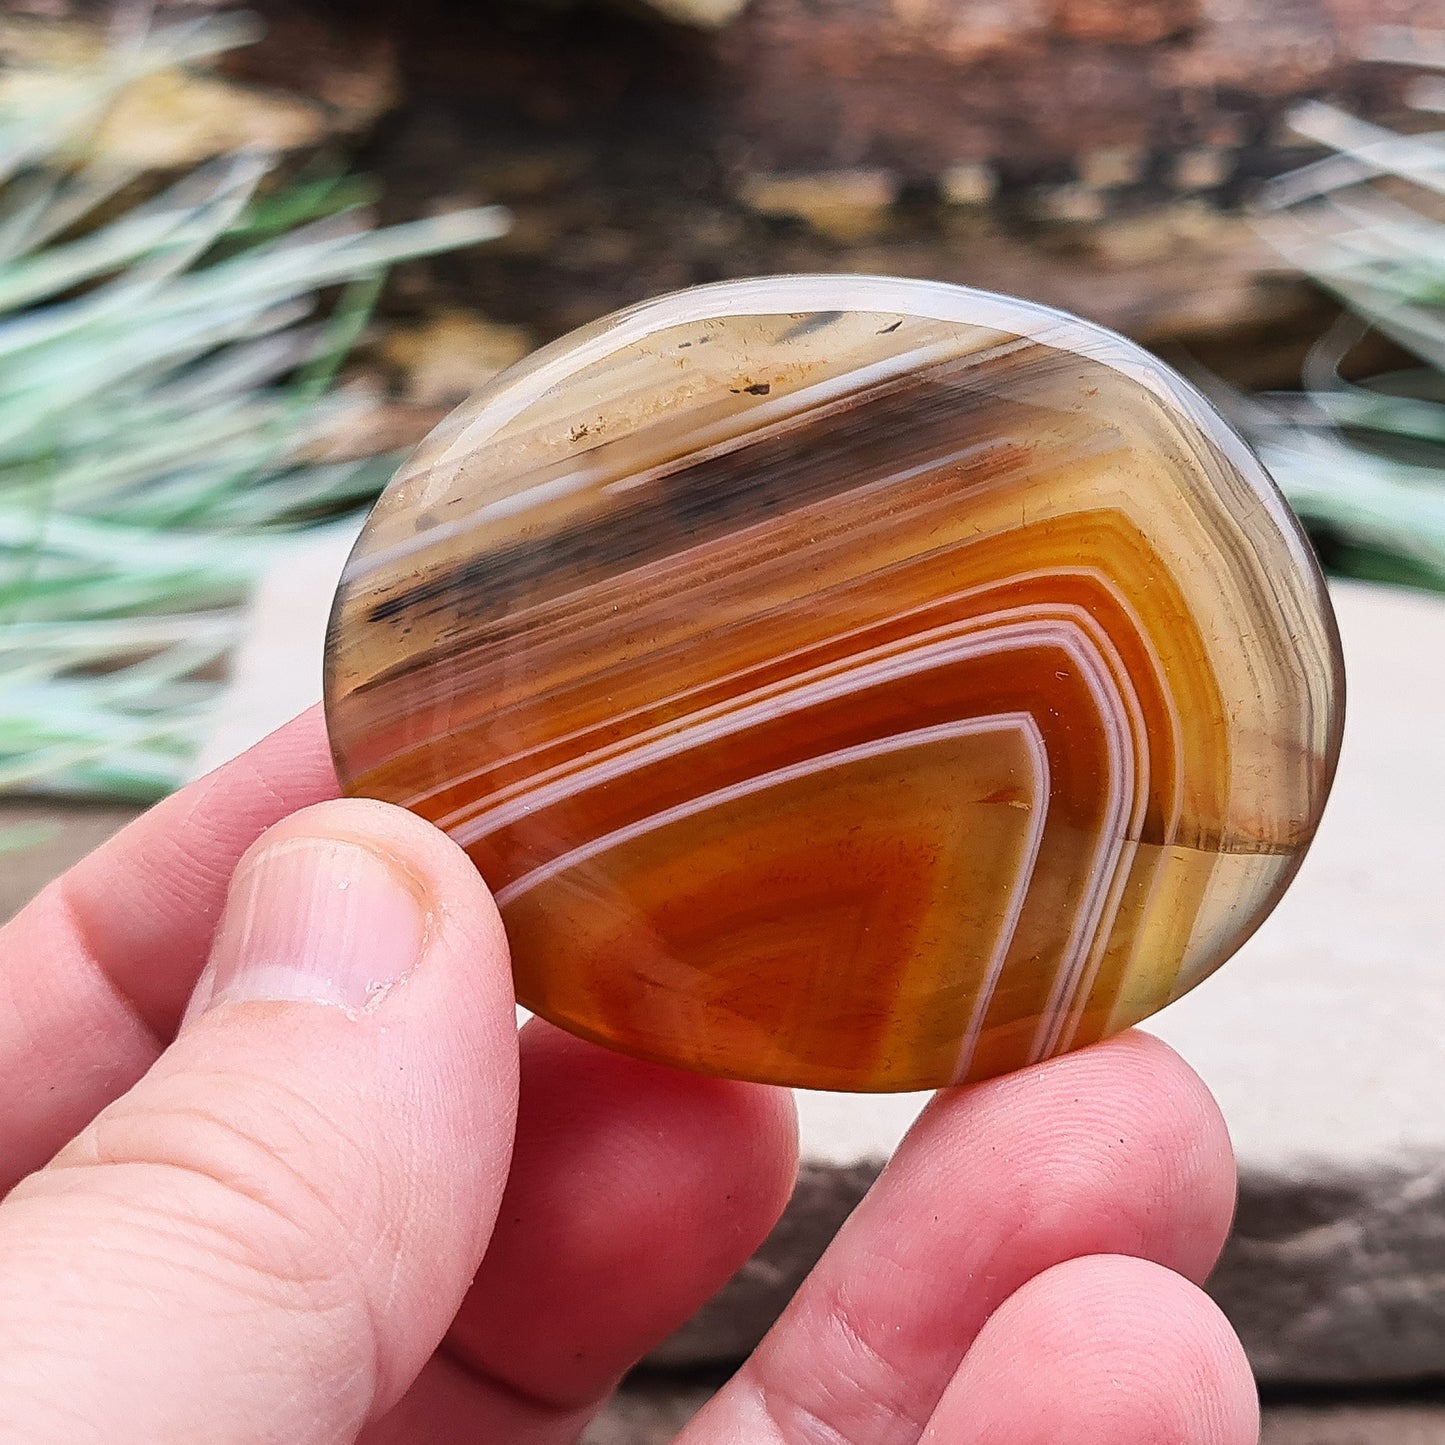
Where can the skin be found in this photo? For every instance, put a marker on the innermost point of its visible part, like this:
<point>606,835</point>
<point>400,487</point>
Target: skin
<point>283,1219</point>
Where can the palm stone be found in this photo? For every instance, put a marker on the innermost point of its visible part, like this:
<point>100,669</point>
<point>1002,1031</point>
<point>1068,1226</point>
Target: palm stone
<point>845,682</point>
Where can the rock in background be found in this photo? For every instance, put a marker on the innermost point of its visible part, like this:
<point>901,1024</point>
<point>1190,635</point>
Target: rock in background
<point>1091,154</point>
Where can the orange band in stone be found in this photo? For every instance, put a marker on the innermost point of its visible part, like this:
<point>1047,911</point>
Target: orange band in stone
<point>845,682</point>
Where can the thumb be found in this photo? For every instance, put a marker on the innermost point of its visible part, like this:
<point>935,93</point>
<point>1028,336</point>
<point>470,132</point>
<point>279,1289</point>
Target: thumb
<point>266,1238</point>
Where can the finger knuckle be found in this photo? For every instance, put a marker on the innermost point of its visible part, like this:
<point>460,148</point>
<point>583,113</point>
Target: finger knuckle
<point>251,1179</point>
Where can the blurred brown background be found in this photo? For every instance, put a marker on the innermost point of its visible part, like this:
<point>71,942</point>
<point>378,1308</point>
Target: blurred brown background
<point>1091,154</point>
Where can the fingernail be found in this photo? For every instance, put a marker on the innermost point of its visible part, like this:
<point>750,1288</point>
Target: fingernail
<point>317,920</point>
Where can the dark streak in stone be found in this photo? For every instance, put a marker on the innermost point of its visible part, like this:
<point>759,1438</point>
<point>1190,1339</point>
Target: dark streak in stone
<point>891,427</point>
<point>809,324</point>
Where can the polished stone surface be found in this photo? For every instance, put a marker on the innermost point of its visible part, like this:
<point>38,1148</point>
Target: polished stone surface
<point>845,682</point>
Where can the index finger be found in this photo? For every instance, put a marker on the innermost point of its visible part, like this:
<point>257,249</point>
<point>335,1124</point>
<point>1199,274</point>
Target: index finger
<point>96,970</point>
<point>1117,1149</point>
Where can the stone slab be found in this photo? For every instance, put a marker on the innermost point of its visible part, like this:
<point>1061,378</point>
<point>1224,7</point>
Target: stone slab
<point>1324,1040</point>
<point>1345,1424</point>
<point>276,672</point>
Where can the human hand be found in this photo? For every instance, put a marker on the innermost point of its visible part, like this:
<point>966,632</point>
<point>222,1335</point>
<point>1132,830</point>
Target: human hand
<point>310,1209</point>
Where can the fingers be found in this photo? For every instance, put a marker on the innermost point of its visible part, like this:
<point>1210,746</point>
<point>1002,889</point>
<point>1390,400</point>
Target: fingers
<point>1117,1149</point>
<point>268,1235</point>
<point>94,972</point>
<point>636,1191</point>
<point>1098,1351</point>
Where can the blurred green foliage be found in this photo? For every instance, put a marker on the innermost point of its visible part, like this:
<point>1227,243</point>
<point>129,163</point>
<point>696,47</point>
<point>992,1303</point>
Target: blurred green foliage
<point>167,417</point>
<point>1364,464</point>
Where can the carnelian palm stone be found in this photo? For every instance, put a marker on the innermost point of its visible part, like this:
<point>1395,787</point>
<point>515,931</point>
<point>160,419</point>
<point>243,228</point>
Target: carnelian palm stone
<point>845,682</point>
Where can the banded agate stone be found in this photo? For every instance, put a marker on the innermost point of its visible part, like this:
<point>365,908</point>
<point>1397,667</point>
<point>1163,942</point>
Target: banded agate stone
<point>845,682</point>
